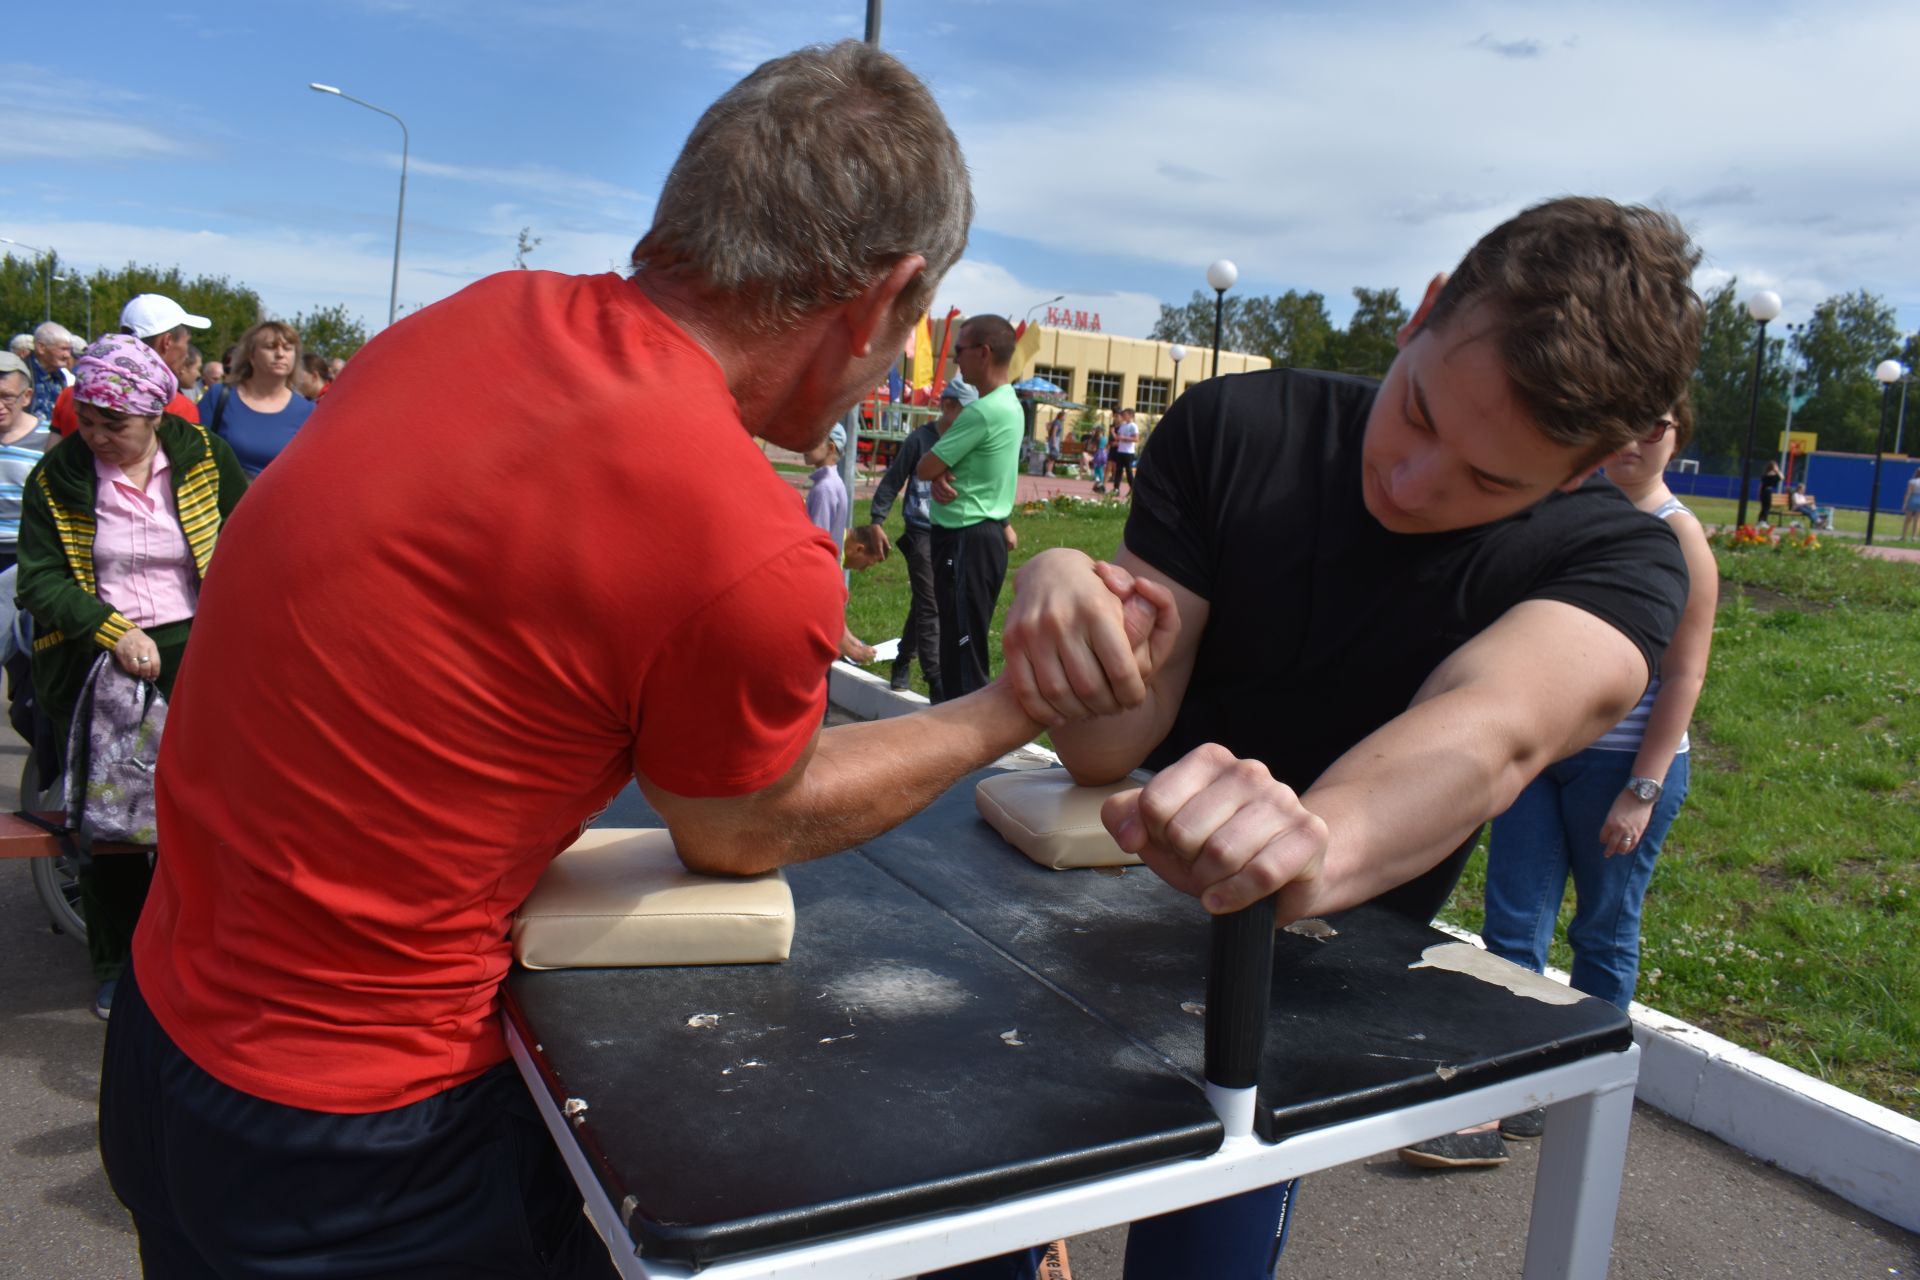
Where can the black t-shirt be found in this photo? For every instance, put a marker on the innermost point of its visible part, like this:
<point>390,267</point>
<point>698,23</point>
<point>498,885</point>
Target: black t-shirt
<point>1322,623</point>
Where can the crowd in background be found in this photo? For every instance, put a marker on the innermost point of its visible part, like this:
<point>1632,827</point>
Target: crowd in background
<point>119,462</point>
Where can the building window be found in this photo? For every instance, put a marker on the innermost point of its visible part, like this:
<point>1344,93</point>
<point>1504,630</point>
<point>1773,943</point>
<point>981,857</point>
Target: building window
<point>1150,395</point>
<point>1058,375</point>
<point>1103,390</point>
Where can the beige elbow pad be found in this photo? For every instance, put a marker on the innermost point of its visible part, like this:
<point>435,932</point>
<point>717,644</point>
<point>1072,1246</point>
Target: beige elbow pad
<point>1054,821</point>
<point>622,899</point>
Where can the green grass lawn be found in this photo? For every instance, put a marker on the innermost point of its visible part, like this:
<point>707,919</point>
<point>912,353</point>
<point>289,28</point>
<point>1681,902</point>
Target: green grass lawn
<point>1783,913</point>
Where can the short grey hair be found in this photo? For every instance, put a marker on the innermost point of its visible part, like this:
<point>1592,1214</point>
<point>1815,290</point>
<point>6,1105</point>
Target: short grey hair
<point>51,332</point>
<point>807,181</point>
<point>21,345</point>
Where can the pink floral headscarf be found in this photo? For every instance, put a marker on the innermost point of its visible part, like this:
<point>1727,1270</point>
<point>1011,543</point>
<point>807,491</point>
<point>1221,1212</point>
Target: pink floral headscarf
<point>125,375</point>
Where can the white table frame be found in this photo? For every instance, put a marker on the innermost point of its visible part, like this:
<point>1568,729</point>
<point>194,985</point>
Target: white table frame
<point>1576,1192</point>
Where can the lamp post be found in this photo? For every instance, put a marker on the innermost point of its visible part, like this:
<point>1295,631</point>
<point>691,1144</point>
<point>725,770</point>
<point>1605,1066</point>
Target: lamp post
<point>1058,297</point>
<point>1221,276</point>
<point>1762,306</point>
<point>1176,353</point>
<point>77,278</point>
<point>46,259</point>
<point>1900,421</point>
<point>1888,372</point>
<point>393,296</point>
<point>1794,333</point>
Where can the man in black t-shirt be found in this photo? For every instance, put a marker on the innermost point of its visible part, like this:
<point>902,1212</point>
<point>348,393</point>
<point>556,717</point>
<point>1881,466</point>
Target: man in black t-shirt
<point>1396,602</point>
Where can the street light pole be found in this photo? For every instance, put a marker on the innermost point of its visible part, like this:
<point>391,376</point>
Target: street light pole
<point>1176,353</point>
<point>406,142</point>
<point>1793,382</point>
<point>1762,306</point>
<point>1888,372</point>
<point>1058,297</point>
<point>1221,276</point>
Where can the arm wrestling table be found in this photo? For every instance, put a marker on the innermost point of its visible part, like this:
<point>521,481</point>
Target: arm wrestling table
<point>968,1054</point>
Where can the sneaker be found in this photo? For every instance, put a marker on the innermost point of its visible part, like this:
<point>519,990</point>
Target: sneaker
<point>901,680</point>
<point>1528,1124</point>
<point>1457,1151</point>
<point>103,999</point>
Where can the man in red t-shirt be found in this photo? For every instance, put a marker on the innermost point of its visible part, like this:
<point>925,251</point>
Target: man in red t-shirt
<point>429,650</point>
<point>162,324</point>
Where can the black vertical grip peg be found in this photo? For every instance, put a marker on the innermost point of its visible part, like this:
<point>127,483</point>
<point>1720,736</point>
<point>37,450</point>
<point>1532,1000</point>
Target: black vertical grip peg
<point>1239,986</point>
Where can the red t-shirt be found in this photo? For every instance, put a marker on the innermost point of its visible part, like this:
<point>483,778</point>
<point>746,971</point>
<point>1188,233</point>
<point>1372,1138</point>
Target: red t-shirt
<point>66,419</point>
<point>526,550</point>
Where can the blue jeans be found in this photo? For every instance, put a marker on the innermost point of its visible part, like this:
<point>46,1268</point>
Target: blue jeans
<point>1553,830</point>
<point>1239,1238</point>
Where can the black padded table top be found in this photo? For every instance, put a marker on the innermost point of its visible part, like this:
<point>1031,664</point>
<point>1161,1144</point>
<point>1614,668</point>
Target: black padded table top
<point>1353,1029</point>
<point>957,1026</point>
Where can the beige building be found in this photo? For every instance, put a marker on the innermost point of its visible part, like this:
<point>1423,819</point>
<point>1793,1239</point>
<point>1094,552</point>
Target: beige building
<point>1106,372</point>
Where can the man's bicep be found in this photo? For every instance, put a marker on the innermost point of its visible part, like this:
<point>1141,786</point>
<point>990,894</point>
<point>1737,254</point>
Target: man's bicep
<point>1561,676</point>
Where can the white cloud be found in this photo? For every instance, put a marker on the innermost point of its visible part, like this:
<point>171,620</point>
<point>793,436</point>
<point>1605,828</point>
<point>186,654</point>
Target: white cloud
<point>1354,149</point>
<point>101,122</point>
<point>975,286</point>
<point>539,179</point>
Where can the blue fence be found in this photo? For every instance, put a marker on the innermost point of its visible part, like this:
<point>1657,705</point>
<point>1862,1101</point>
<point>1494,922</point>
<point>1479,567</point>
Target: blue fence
<point>1834,480</point>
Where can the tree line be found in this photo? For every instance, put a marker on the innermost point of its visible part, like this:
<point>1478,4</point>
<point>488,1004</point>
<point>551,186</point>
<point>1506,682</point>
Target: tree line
<point>25,299</point>
<point>1827,365</point>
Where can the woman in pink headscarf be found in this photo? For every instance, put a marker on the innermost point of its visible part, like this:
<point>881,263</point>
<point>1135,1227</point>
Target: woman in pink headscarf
<point>117,526</point>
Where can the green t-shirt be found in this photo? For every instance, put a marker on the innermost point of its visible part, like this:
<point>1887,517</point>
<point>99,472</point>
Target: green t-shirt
<point>982,449</point>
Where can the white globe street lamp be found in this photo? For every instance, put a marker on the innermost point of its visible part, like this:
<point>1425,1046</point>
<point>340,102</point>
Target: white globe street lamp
<point>1220,276</point>
<point>1888,372</point>
<point>1762,306</point>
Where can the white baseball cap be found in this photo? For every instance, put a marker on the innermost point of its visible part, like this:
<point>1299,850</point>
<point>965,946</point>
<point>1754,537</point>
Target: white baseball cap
<point>152,313</point>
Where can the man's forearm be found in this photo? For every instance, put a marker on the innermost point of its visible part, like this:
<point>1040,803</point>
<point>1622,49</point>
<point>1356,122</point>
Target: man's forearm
<point>862,779</point>
<point>1406,796</point>
<point>1105,750</point>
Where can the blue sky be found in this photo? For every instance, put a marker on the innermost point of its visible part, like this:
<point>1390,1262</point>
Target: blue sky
<point>1116,147</point>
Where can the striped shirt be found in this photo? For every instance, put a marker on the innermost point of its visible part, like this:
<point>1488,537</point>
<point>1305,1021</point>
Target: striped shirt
<point>1626,735</point>
<point>17,461</point>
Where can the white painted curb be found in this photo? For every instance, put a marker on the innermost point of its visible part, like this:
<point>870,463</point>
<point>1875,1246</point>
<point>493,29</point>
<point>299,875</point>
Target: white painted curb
<point>1862,1152</point>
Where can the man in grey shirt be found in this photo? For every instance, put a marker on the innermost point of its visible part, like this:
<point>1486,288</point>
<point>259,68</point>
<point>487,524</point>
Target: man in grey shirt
<point>920,634</point>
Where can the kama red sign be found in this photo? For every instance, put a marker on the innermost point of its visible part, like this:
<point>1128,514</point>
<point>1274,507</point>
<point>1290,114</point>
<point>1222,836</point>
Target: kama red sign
<point>1065,318</point>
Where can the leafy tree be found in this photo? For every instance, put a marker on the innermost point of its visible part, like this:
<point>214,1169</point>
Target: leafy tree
<point>1723,387</point>
<point>1193,325</point>
<point>330,332</point>
<point>231,308</point>
<point>1844,340</point>
<point>1292,330</point>
<point>1370,341</point>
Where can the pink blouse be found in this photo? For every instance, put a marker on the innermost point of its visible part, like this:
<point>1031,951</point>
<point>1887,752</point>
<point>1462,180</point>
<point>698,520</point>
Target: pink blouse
<point>141,559</point>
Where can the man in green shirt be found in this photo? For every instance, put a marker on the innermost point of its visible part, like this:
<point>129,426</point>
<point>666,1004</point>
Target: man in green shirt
<point>975,468</point>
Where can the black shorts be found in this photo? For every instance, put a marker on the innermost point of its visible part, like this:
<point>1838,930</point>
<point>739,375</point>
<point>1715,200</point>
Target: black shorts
<point>223,1184</point>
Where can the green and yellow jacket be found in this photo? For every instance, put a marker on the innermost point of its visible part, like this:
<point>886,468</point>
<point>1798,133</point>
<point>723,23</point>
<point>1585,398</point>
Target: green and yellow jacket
<point>56,581</point>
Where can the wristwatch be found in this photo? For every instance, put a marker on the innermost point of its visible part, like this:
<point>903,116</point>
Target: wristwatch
<point>1647,789</point>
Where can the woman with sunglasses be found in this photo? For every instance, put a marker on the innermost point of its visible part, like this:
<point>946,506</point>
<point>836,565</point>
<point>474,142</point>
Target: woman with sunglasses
<point>1602,814</point>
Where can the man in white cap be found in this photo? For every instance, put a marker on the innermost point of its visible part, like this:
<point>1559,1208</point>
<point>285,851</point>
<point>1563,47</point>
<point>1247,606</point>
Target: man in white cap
<point>162,324</point>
